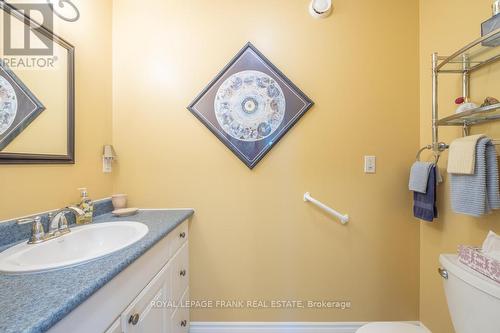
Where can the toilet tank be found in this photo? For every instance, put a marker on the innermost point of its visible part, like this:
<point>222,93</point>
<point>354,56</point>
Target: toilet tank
<point>473,299</point>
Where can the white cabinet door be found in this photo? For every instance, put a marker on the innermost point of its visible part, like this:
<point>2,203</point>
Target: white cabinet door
<point>116,327</point>
<point>147,319</point>
<point>142,316</point>
<point>180,318</point>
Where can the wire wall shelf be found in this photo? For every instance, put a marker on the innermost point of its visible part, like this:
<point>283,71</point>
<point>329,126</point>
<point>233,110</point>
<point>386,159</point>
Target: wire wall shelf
<point>479,54</point>
<point>473,117</point>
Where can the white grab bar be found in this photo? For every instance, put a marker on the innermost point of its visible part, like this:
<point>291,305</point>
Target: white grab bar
<point>343,218</point>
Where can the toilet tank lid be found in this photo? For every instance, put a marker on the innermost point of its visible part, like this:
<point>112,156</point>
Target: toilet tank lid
<point>451,263</point>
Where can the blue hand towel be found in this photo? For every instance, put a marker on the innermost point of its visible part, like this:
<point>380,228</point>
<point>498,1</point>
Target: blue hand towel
<point>419,176</point>
<point>477,194</point>
<point>424,204</point>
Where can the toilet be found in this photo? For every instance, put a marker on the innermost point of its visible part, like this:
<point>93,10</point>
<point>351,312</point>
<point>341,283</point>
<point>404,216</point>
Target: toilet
<point>473,302</point>
<point>391,328</point>
<point>473,299</point>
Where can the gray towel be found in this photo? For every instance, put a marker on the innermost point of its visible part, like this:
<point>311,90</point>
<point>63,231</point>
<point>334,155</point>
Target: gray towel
<point>477,194</point>
<point>419,176</point>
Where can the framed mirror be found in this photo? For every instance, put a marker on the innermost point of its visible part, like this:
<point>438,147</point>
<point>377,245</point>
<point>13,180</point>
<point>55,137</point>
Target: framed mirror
<point>37,88</point>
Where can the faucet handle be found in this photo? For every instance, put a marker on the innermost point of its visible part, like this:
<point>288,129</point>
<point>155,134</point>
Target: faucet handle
<point>37,232</point>
<point>27,220</point>
<point>58,223</point>
<point>63,225</point>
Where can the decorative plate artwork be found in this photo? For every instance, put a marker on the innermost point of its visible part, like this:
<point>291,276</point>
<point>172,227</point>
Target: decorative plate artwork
<point>18,106</point>
<point>250,105</point>
<point>8,105</point>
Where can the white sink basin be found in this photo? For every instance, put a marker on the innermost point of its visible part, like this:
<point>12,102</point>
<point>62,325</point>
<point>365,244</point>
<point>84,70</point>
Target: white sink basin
<point>81,245</point>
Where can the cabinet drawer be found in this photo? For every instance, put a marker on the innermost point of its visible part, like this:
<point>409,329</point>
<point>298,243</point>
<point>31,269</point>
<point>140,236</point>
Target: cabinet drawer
<point>180,273</point>
<point>178,237</point>
<point>180,319</point>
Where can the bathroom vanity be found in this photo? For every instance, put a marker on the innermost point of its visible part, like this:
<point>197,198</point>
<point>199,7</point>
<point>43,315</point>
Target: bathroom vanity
<point>136,289</point>
<point>141,288</point>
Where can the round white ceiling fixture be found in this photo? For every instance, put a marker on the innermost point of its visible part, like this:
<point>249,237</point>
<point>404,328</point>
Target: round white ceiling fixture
<point>320,8</point>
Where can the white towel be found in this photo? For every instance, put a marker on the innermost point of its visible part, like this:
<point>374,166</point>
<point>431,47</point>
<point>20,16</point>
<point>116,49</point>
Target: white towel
<point>462,156</point>
<point>491,246</point>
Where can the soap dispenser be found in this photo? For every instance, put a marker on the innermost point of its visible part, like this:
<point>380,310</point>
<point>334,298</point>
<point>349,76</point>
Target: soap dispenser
<point>87,205</point>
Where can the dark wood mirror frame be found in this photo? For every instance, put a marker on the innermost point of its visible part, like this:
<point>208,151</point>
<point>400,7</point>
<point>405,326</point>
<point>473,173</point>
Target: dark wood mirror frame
<point>69,158</point>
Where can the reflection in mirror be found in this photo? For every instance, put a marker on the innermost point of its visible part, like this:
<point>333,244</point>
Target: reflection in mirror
<point>36,89</point>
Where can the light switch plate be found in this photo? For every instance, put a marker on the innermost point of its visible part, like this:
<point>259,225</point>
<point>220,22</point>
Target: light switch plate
<point>370,164</point>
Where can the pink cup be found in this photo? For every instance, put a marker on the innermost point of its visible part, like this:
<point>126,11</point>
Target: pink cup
<point>119,201</point>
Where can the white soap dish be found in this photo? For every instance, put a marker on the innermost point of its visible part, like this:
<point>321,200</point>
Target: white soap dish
<point>125,212</point>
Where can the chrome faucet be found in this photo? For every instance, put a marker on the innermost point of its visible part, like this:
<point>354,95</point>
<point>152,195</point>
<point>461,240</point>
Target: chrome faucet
<point>58,225</point>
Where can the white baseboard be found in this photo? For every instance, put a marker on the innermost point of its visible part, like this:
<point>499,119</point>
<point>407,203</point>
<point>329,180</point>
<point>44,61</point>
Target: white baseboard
<point>255,327</point>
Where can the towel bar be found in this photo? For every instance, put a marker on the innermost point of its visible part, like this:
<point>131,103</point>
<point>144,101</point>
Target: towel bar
<point>343,218</point>
<point>442,147</point>
<point>437,154</point>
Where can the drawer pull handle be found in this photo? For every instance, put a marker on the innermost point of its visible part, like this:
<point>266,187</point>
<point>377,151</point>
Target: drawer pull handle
<point>443,272</point>
<point>184,323</point>
<point>134,319</point>
<point>182,235</point>
<point>182,272</point>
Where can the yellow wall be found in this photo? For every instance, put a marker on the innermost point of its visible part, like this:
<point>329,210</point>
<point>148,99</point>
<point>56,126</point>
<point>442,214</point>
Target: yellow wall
<point>35,188</point>
<point>252,236</point>
<point>458,22</point>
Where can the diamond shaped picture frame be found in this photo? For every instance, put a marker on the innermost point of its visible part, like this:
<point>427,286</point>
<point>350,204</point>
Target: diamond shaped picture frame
<point>250,105</point>
<point>18,106</point>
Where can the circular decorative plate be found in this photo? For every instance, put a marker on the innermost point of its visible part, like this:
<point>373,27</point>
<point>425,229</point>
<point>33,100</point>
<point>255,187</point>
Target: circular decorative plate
<point>250,105</point>
<point>8,105</point>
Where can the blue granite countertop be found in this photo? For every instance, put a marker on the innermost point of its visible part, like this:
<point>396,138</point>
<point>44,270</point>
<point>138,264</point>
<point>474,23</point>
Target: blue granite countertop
<point>36,302</point>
